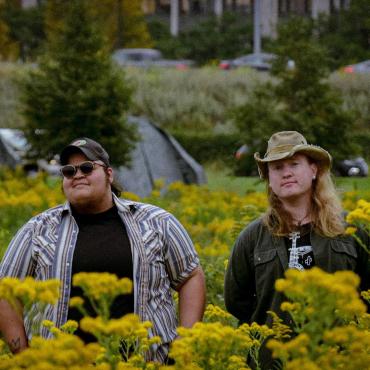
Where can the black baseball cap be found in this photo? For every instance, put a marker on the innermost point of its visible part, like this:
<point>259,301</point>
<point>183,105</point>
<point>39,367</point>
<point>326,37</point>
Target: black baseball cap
<point>90,148</point>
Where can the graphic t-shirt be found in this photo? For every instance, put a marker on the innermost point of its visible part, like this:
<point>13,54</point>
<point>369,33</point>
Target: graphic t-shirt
<point>300,252</point>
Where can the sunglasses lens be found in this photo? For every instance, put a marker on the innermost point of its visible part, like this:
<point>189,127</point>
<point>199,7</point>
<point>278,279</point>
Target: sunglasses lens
<point>68,171</point>
<point>86,167</point>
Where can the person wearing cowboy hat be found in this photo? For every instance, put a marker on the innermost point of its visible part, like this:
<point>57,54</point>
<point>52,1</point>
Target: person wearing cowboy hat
<point>302,227</point>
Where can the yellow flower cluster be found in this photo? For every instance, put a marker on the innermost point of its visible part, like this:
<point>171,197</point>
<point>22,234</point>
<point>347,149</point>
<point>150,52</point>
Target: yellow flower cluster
<point>18,190</point>
<point>28,291</point>
<point>211,346</point>
<point>366,295</point>
<point>214,313</point>
<point>314,290</point>
<point>126,326</point>
<point>330,318</point>
<point>64,352</point>
<point>350,199</point>
<point>361,214</point>
<point>100,285</point>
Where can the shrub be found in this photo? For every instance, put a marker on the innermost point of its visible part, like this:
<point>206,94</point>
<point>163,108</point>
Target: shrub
<point>76,92</point>
<point>209,147</point>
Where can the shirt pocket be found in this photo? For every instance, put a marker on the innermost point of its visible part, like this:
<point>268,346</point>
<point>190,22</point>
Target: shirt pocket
<point>344,254</point>
<point>265,269</point>
<point>44,256</point>
<point>155,256</point>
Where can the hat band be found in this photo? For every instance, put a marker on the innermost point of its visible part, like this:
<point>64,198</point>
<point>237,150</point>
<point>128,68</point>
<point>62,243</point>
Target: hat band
<point>279,149</point>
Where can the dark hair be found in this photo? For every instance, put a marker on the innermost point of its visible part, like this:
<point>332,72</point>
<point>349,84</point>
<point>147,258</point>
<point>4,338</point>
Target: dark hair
<point>116,188</point>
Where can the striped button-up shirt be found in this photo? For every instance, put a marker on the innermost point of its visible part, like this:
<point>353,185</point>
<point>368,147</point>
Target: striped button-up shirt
<point>162,252</point>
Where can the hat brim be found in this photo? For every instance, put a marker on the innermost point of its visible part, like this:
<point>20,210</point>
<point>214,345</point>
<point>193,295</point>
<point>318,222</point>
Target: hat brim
<point>317,153</point>
<point>73,149</point>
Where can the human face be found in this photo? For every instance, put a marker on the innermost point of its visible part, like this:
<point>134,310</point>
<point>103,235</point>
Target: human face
<point>291,178</point>
<point>88,193</point>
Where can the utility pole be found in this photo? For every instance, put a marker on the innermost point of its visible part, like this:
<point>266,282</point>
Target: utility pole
<point>257,27</point>
<point>119,40</point>
<point>218,8</point>
<point>174,17</point>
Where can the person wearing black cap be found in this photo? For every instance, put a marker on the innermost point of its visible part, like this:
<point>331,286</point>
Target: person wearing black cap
<point>95,231</point>
<point>303,227</point>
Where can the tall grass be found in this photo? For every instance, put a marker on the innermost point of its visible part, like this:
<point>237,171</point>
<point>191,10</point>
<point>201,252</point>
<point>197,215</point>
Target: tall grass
<point>197,99</point>
<point>192,99</point>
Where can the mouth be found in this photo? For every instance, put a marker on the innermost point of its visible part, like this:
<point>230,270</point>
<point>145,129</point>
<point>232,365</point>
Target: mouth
<point>290,183</point>
<point>79,185</point>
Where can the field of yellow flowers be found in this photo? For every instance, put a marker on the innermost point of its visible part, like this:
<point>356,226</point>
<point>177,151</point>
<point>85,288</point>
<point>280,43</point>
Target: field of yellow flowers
<point>334,328</point>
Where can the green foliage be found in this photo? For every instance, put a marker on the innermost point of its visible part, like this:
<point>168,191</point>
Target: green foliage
<point>209,40</point>
<point>301,99</point>
<point>209,147</point>
<point>346,34</point>
<point>24,28</point>
<point>76,92</point>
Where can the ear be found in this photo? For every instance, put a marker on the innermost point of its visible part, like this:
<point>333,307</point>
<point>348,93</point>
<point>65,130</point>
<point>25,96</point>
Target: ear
<point>314,169</point>
<point>110,174</point>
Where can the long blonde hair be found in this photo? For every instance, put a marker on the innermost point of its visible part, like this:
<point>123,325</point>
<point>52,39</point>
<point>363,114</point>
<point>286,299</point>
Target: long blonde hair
<point>326,209</point>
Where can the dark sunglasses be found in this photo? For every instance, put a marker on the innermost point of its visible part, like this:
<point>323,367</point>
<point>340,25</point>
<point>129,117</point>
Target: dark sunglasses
<point>69,170</point>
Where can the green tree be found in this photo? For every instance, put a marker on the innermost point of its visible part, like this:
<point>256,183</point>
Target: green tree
<point>346,34</point>
<point>122,22</point>
<point>25,27</point>
<point>300,98</point>
<point>211,39</point>
<point>76,92</point>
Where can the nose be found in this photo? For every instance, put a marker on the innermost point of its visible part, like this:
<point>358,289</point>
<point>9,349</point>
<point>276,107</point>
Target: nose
<point>78,173</point>
<point>286,171</point>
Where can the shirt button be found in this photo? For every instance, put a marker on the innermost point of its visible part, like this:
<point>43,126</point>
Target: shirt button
<point>259,258</point>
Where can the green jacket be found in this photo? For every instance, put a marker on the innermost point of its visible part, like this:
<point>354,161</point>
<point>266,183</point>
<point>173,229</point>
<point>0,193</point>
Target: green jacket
<point>258,259</point>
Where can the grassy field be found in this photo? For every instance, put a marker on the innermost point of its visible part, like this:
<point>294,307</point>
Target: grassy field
<point>221,180</point>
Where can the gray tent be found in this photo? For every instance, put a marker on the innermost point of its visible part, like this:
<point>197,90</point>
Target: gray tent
<point>157,156</point>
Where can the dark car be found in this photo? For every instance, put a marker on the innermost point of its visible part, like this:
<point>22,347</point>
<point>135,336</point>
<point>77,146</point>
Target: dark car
<point>363,67</point>
<point>148,58</point>
<point>259,62</point>
<point>352,167</point>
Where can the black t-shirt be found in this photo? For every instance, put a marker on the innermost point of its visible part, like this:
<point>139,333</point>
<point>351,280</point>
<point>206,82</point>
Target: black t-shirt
<point>302,257</point>
<point>102,246</point>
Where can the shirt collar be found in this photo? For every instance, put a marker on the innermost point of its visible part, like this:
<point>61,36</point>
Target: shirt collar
<point>123,205</point>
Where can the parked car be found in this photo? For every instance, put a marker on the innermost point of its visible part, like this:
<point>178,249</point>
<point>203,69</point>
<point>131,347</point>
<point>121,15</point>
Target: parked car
<point>147,58</point>
<point>352,167</point>
<point>363,67</point>
<point>260,62</point>
<point>13,152</point>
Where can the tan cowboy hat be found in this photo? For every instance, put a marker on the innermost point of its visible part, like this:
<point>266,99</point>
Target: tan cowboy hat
<point>285,144</point>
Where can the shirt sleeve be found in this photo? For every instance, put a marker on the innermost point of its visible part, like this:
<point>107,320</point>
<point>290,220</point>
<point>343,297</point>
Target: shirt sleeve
<point>180,258</point>
<point>17,260</point>
<point>239,290</point>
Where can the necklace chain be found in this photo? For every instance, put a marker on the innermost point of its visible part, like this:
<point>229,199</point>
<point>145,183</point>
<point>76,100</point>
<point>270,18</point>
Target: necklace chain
<point>299,221</point>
